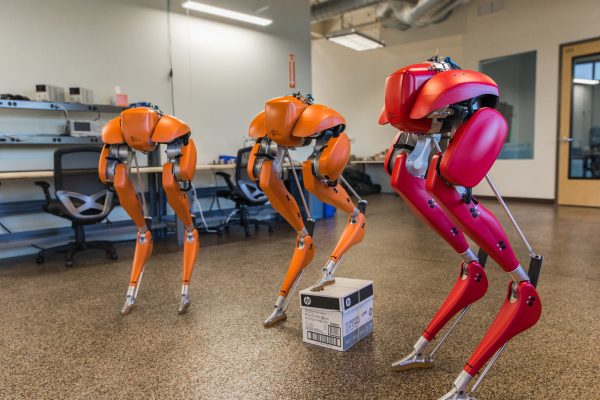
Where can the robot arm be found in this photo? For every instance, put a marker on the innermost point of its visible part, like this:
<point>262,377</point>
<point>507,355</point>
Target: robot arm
<point>322,173</point>
<point>264,166</point>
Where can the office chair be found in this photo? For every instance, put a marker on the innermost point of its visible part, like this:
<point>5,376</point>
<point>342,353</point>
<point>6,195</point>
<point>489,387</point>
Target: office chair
<point>244,193</point>
<point>80,197</point>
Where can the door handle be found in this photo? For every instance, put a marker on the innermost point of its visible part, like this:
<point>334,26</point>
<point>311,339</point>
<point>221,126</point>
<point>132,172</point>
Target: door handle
<point>566,139</point>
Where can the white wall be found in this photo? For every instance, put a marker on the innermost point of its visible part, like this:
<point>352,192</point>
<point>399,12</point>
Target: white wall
<point>540,25</point>
<point>222,72</point>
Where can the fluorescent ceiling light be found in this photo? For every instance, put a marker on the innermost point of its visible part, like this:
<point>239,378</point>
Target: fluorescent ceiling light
<point>222,12</point>
<point>586,81</point>
<point>356,40</point>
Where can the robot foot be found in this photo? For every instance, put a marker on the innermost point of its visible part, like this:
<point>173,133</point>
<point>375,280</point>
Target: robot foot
<point>129,300</point>
<point>412,361</point>
<point>459,391</point>
<point>326,280</point>
<point>455,395</point>
<point>185,299</point>
<point>276,317</point>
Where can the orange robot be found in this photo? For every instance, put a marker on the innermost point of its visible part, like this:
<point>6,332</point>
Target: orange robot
<point>144,129</point>
<point>287,123</point>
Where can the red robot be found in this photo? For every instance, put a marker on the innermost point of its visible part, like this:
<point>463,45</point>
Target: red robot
<point>449,137</point>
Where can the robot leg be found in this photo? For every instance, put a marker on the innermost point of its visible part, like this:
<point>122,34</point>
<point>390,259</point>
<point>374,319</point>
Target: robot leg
<point>179,203</point>
<point>520,311</point>
<point>321,176</point>
<point>143,247</point>
<point>284,203</point>
<point>471,284</point>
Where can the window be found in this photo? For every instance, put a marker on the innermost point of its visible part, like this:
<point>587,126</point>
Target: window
<point>515,76</point>
<point>584,149</point>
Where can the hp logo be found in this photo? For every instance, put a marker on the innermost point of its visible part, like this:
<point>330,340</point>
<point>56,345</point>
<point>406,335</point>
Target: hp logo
<point>307,300</point>
<point>348,301</point>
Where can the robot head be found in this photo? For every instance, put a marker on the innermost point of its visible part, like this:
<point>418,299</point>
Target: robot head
<point>412,93</point>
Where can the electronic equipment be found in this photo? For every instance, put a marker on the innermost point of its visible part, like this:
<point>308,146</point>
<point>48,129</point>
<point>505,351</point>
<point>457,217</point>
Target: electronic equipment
<point>45,92</point>
<point>80,95</point>
<point>82,128</point>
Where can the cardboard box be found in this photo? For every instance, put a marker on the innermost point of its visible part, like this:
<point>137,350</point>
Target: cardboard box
<point>339,316</point>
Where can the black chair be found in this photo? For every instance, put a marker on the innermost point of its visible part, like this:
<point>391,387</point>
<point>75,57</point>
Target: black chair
<point>244,193</point>
<point>80,197</point>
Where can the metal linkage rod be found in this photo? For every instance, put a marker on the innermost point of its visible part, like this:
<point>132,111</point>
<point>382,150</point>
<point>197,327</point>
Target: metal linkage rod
<point>287,154</point>
<point>510,216</point>
<point>443,339</point>
<point>350,188</point>
<point>488,367</point>
<point>140,184</point>
<point>293,291</point>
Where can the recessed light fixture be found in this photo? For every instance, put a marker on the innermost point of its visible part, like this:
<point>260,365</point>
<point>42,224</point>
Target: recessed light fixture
<point>355,40</point>
<point>586,81</point>
<point>222,12</point>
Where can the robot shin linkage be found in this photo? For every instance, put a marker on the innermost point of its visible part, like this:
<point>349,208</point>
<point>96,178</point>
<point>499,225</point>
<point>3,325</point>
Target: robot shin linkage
<point>439,191</point>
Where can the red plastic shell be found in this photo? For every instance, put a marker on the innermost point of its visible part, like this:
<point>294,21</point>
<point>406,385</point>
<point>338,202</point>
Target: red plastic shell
<point>451,87</point>
<point>513,318</point>
<point>412,190</point>
<point>466,291</point>
<point>474,148</point>
<point>474,219</point>
<point>401,91</point>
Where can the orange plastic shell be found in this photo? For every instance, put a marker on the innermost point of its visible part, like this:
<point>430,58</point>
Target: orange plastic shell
<point>137,125</point>
<point>317,118</point>
<point>190,252</point>
<point>336,195</point>
<point>128,196</point>
<point>187,161</point>
<point>168,129</point>
<point>175,196</point>
<point>301,258</point>
<point>143,251</point>
<point>334,157</point>
<point>102,163</point>
<point>281,116</point>
<point>252,161</point>
<point>280,198</point>
<point>353,234</point>
<point>111,132</point>
<point>258,128</point>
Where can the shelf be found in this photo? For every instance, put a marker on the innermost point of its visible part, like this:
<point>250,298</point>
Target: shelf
<point>58,106</point>
<point>20,139</point>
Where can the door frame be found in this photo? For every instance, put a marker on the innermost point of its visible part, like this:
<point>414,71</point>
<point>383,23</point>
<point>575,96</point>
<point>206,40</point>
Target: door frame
<point>560,148</point>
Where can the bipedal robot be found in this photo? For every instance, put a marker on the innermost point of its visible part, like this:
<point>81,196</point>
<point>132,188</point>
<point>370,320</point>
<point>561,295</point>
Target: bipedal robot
<point>290,122</point>
<point>144,129</point>
<point>449,137</point>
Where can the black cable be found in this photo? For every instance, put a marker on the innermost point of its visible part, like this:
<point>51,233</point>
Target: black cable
<point>170,55</point>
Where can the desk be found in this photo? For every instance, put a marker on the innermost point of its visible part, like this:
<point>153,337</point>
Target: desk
<point>14,175</point>
<point>364,163</point>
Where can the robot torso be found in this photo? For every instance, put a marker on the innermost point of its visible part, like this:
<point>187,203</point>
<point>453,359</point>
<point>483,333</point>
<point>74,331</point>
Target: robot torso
<point>289,121</point>
<point>143,128</point>
<point>415,93</point>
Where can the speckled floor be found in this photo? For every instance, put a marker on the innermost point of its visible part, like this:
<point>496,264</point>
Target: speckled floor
<point>61,335</point>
